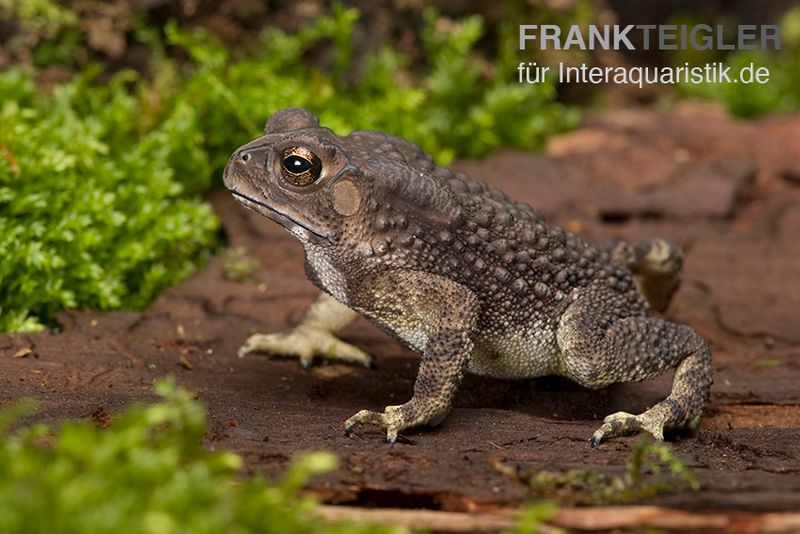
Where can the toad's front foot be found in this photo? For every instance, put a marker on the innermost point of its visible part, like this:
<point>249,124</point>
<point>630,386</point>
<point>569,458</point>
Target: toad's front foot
<point>397,418</point>
<point>305,343</point>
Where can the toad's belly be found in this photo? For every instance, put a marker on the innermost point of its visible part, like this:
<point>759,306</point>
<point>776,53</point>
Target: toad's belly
<point>516,353</point>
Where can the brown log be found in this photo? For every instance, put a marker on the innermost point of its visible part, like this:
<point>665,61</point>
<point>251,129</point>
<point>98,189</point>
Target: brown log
<point>580,519</point>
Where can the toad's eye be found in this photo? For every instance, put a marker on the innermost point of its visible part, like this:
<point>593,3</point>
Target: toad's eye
<point>300,166</point>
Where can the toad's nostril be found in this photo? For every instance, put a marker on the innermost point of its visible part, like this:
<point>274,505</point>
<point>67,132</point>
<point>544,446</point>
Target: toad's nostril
<point>245,157</point>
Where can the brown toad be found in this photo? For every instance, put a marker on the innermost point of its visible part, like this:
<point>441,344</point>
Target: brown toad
<point>457,271</point>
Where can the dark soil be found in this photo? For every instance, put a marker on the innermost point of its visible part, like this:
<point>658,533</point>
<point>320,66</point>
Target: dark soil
<point>728,191</point>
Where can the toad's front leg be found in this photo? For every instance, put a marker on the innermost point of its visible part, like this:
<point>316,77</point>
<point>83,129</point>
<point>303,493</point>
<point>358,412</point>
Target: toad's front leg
<point>439,314</point>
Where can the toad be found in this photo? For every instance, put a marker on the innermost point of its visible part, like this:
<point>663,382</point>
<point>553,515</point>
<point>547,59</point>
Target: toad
<point>466,276</point>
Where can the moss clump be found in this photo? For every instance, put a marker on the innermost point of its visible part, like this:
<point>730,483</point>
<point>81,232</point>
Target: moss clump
<point>93,213</point>
<point>147,472</point>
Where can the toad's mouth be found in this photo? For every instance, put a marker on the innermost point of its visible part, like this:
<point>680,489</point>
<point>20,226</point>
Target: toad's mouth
<point>279,217</point>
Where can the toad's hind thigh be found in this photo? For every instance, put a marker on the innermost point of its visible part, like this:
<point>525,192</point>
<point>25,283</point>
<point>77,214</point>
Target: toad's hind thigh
<point>602,341</point>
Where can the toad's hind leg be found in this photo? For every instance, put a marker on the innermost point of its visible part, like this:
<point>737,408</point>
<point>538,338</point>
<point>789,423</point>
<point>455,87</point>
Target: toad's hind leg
<point>314,336</point>
<point>602,343</point>
<point>656,266</point>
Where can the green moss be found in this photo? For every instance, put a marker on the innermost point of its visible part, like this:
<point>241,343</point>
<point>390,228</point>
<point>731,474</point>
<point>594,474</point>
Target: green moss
<point>147,472</point>
<point>92,214</point>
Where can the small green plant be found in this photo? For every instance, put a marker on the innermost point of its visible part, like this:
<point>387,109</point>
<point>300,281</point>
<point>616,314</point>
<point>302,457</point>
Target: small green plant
<point>46,32</point>
<point>38,14</point>
<point>147,472</point>
<point>778,95</point>
<point>652,469</point>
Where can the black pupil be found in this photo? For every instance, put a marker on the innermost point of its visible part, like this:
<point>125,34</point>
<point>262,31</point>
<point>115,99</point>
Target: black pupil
<point>296,164</point>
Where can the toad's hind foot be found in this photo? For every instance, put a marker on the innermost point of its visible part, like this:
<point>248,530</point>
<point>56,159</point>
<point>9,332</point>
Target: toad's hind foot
<point>622,423</point>
<point>305,343</point>
<point>666,415</point>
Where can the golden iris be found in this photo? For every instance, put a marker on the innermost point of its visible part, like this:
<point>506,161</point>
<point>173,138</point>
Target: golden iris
<point>301,167</point>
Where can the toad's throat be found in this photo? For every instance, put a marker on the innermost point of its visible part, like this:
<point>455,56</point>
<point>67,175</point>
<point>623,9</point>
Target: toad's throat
<point>281,218</point>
